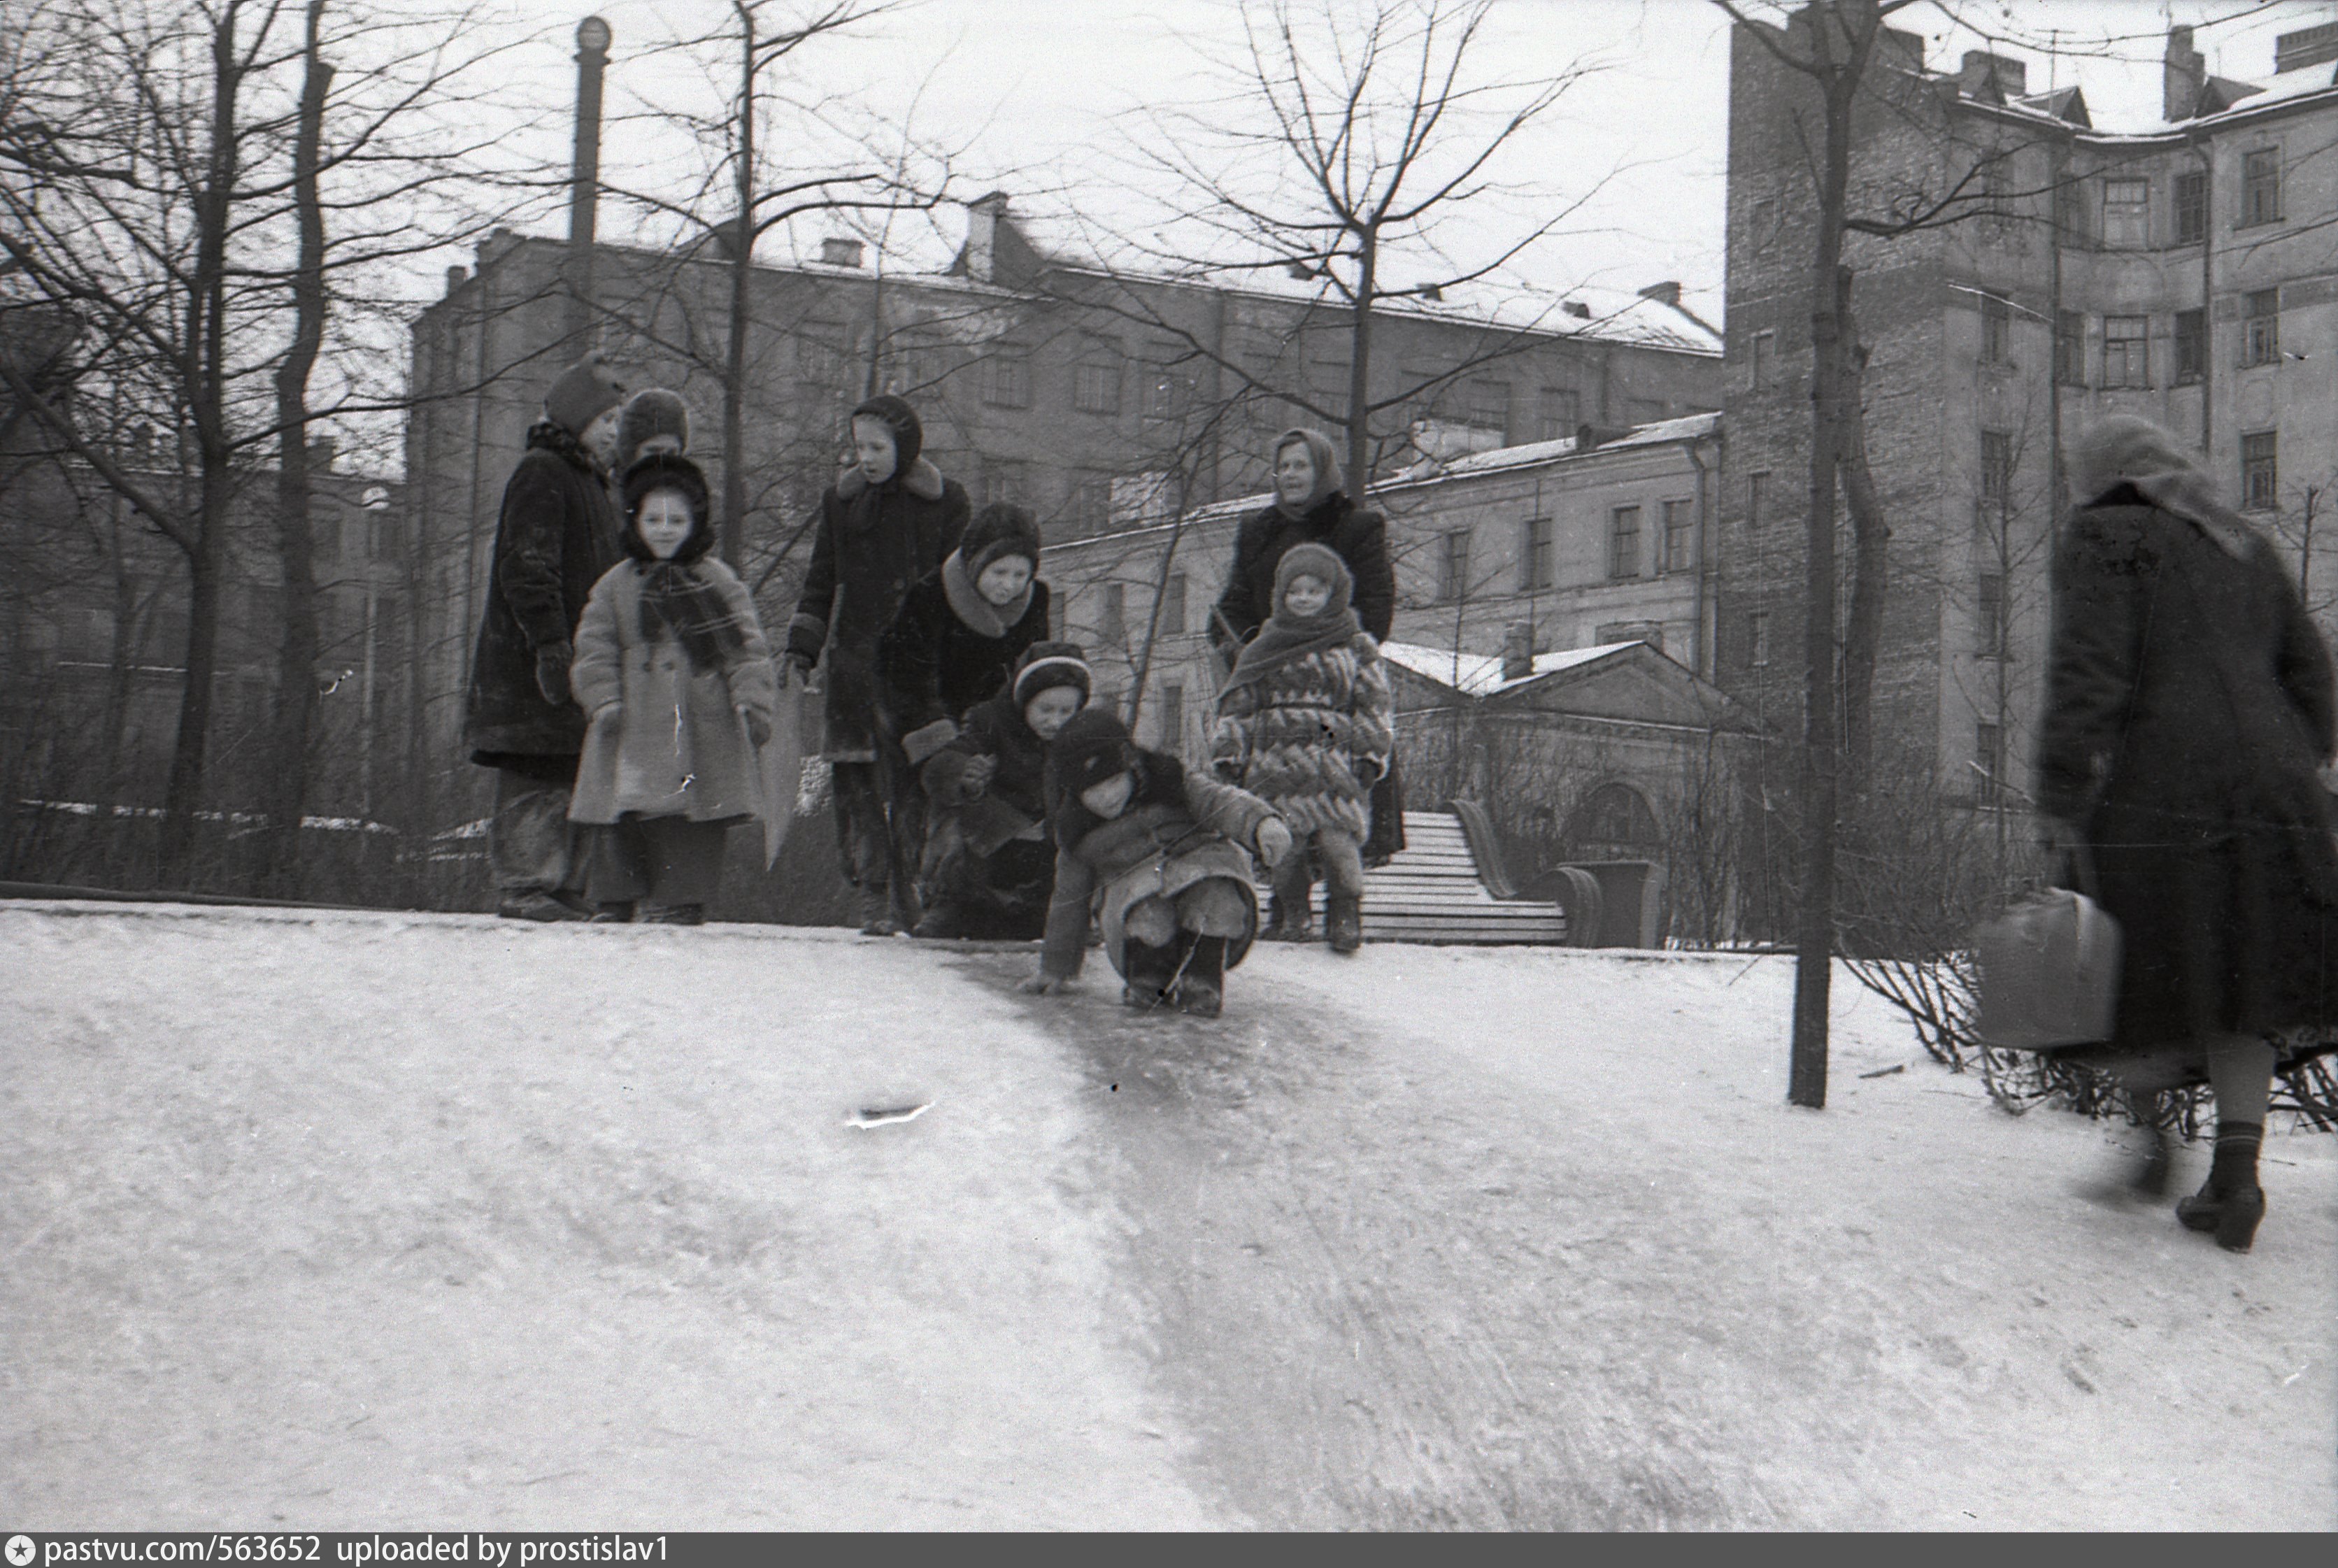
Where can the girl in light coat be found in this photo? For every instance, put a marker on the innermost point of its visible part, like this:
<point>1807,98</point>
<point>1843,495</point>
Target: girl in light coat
<point>674,669</point>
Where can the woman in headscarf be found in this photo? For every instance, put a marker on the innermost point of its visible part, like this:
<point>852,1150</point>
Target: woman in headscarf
<point>2189,707</point>
<point>1311,507</point>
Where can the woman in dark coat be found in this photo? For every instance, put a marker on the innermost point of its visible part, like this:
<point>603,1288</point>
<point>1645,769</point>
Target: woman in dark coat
<point>888,521</point>
<point>962,630</point>
<point>556,535</point>
<point>2189,707</point>
<point>1310,508</point>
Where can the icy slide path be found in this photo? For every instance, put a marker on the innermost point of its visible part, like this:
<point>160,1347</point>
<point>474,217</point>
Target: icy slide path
<point>364,1219</point>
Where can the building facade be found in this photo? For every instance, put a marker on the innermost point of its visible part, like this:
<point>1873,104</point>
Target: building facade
<point>2182,271</point>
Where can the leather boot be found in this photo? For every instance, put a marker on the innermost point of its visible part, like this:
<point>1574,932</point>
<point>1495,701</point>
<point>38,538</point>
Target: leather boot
<point>1343,922</point>
<point>2231,1204</point>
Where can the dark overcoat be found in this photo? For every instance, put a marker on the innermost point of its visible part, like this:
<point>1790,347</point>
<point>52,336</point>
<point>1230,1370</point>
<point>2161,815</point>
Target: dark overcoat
<point>931,666</point>
<point>997,730</point>
<point>556,538</point>
<point>2189,706</point>
<point>871,545</point>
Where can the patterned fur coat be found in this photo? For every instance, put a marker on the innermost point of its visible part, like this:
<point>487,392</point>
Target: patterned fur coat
<point>1310,736</point>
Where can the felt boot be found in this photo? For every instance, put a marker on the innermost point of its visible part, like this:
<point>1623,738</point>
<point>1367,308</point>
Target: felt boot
<point>1147,973</point>
<point>1201,989</point>
<point>1343,922</point>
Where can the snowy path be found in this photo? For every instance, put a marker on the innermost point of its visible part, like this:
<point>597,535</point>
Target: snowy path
<point>366,1219</point>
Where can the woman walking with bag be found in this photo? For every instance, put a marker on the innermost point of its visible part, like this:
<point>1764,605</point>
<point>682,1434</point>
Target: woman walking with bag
<point>2189,707</point>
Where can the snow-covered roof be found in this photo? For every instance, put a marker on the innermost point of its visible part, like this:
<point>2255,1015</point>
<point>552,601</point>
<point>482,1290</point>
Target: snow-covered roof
<point>1480,674</point>
<point>2240,100</point>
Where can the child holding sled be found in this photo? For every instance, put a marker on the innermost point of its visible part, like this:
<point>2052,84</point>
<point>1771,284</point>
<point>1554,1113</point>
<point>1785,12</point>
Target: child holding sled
<point>989,863</point>
<point>1303,724</point>
<point>674,670</point>
<point>1157,853</point>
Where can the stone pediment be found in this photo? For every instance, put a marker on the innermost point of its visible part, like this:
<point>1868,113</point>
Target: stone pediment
<point>1631,683</point>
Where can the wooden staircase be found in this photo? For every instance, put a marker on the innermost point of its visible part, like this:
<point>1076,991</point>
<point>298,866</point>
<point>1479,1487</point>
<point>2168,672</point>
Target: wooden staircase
<point>1433,892</point>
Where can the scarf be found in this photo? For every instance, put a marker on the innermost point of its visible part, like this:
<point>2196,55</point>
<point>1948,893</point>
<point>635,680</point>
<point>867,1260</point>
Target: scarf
<point>1327,477</point>
<point>559,440</point>
<point>983,618</point>
<point>679,599</point>
<point>2125,450</point>
<point>1286,637</point>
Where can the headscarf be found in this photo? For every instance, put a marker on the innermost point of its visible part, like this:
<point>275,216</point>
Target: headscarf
<point>678,597</point>
<point>1327,477</point>
<point>898,416</point>
<point>2125,449</point>
<point>1284,636</point>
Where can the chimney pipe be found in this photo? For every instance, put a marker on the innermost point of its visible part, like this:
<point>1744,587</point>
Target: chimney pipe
<point>982,218</point>
<point>1664,293</point>
<point>584,192</point>
<point>2183,73</point>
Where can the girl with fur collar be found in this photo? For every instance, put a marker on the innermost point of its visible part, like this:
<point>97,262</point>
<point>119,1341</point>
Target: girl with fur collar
<point>1303,724</point>
<point>672,666</point>
<point>961,630</point>
<point>1160,857</point>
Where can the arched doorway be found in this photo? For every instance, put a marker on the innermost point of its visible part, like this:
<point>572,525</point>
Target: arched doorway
<point>1612,823</point>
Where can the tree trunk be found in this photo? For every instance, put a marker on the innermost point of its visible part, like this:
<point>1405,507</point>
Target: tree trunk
<point>203,375</point>
<point>1359,371</point>
<point>733,531</point>
<point>1871,559</point>
<point>296,658</point>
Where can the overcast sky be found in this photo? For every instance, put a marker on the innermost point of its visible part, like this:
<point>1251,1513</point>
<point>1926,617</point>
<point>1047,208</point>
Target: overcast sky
<point>1038,91</point>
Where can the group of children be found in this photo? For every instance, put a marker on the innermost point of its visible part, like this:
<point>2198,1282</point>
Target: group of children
<point>976,792</point>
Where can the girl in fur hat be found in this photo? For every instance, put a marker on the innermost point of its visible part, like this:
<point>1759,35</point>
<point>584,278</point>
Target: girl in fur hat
<point>672,666</point>
<point>1304,725</point>
<point>1161,856</point>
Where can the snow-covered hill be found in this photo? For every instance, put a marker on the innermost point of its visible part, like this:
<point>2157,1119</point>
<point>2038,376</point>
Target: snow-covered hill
<point>352,1220</point>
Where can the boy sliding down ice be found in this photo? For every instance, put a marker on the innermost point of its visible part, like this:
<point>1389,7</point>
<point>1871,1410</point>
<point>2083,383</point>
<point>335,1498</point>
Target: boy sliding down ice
<point>1159,854</point>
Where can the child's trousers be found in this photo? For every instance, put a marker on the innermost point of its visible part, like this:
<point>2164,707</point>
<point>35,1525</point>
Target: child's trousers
<point>1340,854</point>
<point>661,861</point>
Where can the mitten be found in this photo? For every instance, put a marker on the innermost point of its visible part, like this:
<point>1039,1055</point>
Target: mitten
<point>552,662</point>
<point>1274,841</point>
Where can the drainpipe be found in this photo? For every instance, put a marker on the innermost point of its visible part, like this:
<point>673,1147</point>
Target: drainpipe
<point>2207,296</point>
<point>1705,599</point>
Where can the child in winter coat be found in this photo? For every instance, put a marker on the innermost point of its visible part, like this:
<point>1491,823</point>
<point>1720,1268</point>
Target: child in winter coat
<point>991,867</point>
<point>1157,853</point>
<point>672,665</point>
<point>1303,724</point>
<point>961,630</point>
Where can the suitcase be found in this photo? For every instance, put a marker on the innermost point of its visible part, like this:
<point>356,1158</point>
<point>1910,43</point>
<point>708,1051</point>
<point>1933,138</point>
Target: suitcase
<point>2049,972</point>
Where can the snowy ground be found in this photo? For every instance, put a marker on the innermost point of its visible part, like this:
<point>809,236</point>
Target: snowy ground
<point>354,1220</point>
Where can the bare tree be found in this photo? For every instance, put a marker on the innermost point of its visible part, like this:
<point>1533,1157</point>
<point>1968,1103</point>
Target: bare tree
<point>1346,148</point>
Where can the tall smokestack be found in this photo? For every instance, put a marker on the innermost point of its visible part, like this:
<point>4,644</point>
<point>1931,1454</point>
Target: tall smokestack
<point>585,193</point>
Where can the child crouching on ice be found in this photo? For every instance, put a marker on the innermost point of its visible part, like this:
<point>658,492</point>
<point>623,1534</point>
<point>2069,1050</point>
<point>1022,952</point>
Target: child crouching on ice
<point>1304,725</point>
<point>1157,852</point>
<point>674,670</point>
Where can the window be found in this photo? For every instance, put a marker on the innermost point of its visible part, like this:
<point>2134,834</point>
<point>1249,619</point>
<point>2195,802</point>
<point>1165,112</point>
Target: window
<point>1095,387</point>
<point>1995,467</point>
<point>2070,213</point>
<point>1087,500</point>
<point>1562,411</point>
<point>1757,638</point>
<point>1453,567</point>
<point>1489,407</point>
<point>1006,480</point>
<point>1327,380</point>
<point>2261,341</point>
<point>1988,760</point>
<point>2261,187</point>
<point>2127,213</point>
<point>1111,626</point>
<point>1007,376</point>
<point>1538,555</point>
<point>1680,536</point>
<point>1173,606</point>
<point>2191,209</point>
<point>2069,349</point>
<point>820,352</point>
<point>2125,351</point>
<point>2191,346</point>
<point>2260,472</point>
<point>1757,490</point>
<point>325,535</point>
<point>1765,358</point>
<point>1168,386</point>
<point>1988,616</point>
<point>1624,541</point>
<point>1996,330</point>
<point>1172,719</point>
